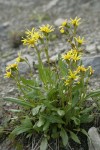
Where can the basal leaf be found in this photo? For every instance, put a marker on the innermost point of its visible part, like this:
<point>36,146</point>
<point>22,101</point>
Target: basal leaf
<point>18,101</point>
<point>75,137</point>
<point>86,118</point>
<point>64,136</point>
<point>40,122</point>
<point>61,112</point>
<point>35,110</point>
<point>44,144</point>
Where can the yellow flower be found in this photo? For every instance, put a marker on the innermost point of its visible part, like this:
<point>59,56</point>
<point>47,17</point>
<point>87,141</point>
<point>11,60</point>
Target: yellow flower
<point>30,33</point>
<point>76,57</point>
<point>81,68</point>
<point>66,56</point>
<point>64,23</point>
<point>46,28</point>
<point>67,82</point>
<point>19,58</point>
<point>29,41</point>
<point>91,70</point>
<point>32,37</point>
<point>62,30</point>
<point>75,21</point>
<point>73,75</point>
<point>12,66</point>
<point>80,40</point>
<point>37,36</point>
<point>7,74</point>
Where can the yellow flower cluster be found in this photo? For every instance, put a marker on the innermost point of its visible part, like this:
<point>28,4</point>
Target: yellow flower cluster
<point>75,75</point>
<point>9,69</point>
<point>73,54</point>
<point>72,77</point>
<point>81,69</point>
<point>33,36</point>
<point>19,58</point>
<point>66,24</point>
<point>46,28</point>
<point>13,67</point>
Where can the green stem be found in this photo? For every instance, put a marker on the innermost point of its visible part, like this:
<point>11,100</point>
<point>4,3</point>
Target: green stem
<point>17,80</point>
<point>46,52</point>
<point>39,57</point>
<point>31,73</point>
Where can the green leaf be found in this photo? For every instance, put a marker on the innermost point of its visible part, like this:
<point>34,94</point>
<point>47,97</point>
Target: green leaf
<point>54,119</point>
<point>26,126</point>
<point>27,122</point>
<point>86,118</point>
<point>75,99</point>
<point>1,129</point>
<point>61,112</point>
<point>46,126</point>
<point>18,101</point>
<point>75,137</point>
<point>64,136</point>
<point>62,66</point>
<point>44,144</point>
<point>76,120</point>
<point>87,110</point>
<point>40,122</point>
<point>35,110</point>
<point>85,133</point>
<point>19,130</point>
<point>15,110</point>
<point>27,81</point>
<point>93,94</point>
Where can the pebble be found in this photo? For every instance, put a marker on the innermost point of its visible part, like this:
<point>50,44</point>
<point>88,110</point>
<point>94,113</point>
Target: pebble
<point>94,143</point>
<point>4,25</point>
<point>91,49</point>
<point>58,22</point>
<point>98,48</point>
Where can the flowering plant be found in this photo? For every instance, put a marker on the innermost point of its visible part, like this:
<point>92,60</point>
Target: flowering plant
<point>53,101</point>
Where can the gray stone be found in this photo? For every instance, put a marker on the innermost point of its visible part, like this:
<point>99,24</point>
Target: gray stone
<point>50,5</point>
<point>98,48</point>
<point>4,25</point>
<point>23,66</point>
<point>59,21</point>
<point>91,49</point>
<point>93,61</point>
<point>94,142</point>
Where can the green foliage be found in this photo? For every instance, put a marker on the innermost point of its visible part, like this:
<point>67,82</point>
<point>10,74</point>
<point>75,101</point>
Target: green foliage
<point>54,102</point>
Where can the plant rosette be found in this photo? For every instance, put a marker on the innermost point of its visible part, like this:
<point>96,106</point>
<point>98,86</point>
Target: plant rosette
<point>53,103</point>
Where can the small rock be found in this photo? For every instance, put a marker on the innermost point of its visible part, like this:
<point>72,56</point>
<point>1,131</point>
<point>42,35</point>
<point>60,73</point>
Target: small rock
<point>4,25</point>
<point>98,48</point>
<point>50,5</point>
<point>58,22</point>
<point>91,49</point>
<point>54,58</point>
<point>93,61</point>
<point>94,143</point>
